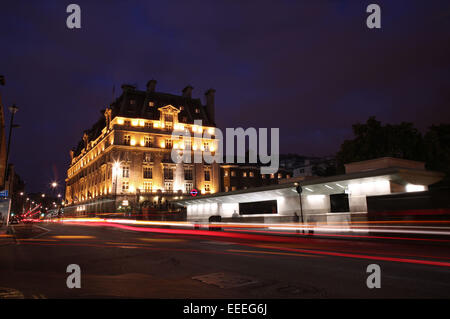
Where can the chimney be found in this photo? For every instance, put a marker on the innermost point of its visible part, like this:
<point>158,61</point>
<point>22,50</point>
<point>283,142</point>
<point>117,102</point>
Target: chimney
<point>187,91</point>
<point>151,85</point>
<point>210,104</point>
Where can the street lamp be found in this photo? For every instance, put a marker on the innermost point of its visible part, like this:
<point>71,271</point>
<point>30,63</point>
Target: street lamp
<point>299,190</point>
<point>13,109</point>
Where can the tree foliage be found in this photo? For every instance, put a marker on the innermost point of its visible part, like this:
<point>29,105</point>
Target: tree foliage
<point>374,140</point>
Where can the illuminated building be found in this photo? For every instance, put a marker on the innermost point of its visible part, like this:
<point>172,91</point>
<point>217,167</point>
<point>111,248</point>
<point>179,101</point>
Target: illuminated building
<point>243,176</point>
<point>124,161</point>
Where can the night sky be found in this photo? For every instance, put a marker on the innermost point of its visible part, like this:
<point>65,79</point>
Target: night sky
<point>311,68</point>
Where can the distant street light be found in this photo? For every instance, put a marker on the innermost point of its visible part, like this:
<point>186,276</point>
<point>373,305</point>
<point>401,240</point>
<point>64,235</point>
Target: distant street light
<point>43,195</point>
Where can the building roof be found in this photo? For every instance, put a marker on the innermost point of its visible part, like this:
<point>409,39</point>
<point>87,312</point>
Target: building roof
<point>140,108</point>
<point>382,162</point>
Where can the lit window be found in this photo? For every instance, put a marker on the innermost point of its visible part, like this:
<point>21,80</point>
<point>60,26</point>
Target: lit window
<point>207,174</point>
<point>188,174</point>
<point>132,102</point>
<point>148,141</point>
<point>197,110</point>
<point>126,139</point>
<point>168,173</point>
<point>125,172</point>
<point>168,143</point>
<point>125,186</point>
<point>207,189</point>
<point>148,186</point>
<point>188,187</point>
<point>168,186</point>
<point>148,173</point>
<point>151,103</point>
<point>251,174</point>
<point>225,173</point>
<point>168,118</point>
<point>233,173</point>
<point>244,174</point>
<point>181,107</point>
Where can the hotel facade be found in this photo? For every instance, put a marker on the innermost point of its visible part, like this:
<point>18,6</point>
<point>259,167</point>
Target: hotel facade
<point>123,164</point>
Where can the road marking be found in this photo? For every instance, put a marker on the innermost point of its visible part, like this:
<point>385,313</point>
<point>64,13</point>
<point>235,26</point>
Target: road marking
<point>43,228</point>
<point>271,253</point>
<point>73,237</point>
<point>226,280</point>
<point>161,240</point>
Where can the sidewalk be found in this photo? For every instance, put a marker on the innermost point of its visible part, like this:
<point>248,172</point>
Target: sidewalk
<point>3,229</point>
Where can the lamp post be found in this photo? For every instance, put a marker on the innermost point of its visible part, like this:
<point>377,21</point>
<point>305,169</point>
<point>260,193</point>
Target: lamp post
<point>299,190</point>
<point>13,109</point>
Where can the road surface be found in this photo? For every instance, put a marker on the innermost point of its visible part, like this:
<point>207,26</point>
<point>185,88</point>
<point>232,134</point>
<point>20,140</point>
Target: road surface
<point>128,263</point>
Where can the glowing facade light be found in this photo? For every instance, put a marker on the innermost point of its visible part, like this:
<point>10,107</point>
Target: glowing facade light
<point>116,168</point>
<point>134,122</point>
<point>133,142</point>
<point>120,121</point>
<point>414,188</point>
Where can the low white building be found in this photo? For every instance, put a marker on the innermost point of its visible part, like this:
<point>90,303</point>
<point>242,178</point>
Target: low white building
<point>324,199</point>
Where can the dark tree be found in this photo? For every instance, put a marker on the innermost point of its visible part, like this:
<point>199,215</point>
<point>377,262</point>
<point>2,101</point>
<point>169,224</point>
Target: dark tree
<point>374,140</point>
<point>437,142</point>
